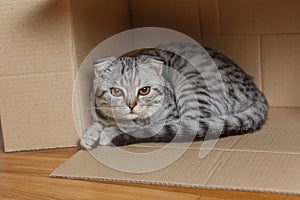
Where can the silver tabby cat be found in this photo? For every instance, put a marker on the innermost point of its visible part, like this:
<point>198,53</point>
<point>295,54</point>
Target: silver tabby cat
<point>171,93</point>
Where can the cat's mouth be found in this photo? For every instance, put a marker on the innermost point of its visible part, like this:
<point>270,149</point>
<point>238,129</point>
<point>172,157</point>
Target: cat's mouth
<point>131,115</point>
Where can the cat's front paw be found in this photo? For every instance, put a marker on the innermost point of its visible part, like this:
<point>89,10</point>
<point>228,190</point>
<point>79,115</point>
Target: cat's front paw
<point>107,135</point>
<point>90,139</point>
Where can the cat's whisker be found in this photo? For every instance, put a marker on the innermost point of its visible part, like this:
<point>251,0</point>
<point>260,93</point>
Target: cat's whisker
<point>98,108</point>
<point>91,108</point>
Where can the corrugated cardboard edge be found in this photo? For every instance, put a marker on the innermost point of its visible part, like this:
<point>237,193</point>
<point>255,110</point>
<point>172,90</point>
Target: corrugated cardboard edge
<point>112,180</point>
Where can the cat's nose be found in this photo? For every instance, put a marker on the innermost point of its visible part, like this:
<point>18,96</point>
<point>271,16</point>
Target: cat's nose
<point>131,106</point>
<point>131,103</point>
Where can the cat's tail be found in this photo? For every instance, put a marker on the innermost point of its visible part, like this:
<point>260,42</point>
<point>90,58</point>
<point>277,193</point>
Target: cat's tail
<point>246,121</point>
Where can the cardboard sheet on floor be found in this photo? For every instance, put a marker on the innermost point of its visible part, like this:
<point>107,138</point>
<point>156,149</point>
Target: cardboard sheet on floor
<point>267,161</point>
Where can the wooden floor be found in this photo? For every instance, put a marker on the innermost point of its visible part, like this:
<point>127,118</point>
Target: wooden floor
<point>24,175</point>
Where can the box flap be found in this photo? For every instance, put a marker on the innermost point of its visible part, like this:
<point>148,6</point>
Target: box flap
<point>271,164</point>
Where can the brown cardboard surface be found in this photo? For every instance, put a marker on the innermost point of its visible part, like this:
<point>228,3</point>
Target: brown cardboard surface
<point>259,16</point>
<point>31,37</point>
<point>280,69</point>
<point>74,168</point>
<point>271,164</point>
<point>263,172</point>
<point>179,15</point>
<point>93,21</point>
<point>36,114</point>
<point>209,15</point>
<point>36,75</point>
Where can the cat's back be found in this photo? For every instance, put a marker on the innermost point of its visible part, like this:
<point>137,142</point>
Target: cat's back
<point>226,84</point>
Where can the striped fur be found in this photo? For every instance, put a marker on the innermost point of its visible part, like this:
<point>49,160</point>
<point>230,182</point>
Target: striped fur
<point>192,97</point>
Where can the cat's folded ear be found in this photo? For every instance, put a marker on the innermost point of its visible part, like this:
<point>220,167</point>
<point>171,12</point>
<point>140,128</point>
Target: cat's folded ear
<point>102,64</point>
<point>153,62</point>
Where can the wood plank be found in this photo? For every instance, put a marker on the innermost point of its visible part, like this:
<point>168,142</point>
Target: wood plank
<point>16,186</point>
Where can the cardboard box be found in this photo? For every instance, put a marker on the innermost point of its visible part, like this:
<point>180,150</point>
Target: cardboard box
<point>43,44</point>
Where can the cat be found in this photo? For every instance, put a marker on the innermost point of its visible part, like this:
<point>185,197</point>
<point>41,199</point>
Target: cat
<point>171,93</point>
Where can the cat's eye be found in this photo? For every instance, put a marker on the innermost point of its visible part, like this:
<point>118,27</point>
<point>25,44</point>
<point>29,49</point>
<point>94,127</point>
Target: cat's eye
<point>144,91</point>
<point>117,92</point>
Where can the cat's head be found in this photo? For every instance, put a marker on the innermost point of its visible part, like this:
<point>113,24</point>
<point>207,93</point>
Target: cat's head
<point>129,88</point>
